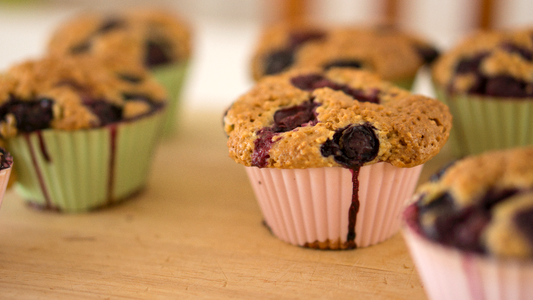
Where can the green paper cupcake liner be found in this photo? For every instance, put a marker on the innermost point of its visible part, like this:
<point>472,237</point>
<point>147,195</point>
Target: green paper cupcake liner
<point>406,84</point>
<point>76,171</point>
<point>488,123</point>
<point>171,78</point>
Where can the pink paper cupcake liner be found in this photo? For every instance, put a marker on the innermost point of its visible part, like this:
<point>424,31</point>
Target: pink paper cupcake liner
<point>4,179</point>
<point>310,207</point>
<point>447,273</point>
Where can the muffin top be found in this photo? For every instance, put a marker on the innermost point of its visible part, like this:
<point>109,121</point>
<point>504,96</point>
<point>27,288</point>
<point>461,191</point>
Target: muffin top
<point>482,204</point>
<point>145,37</point>
<point>71,93</point>
<point>310,118</point>
<point>492,63</point>
<point>390,53</point>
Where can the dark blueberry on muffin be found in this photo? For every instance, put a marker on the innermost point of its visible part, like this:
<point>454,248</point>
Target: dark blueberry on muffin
<point>352,146</point>
<point>29,116</point>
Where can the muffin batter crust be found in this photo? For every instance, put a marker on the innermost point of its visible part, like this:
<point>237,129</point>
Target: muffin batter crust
<point>487,54</point>
<point>411,129</point>
<point>71,86</point>
<point>122,37</point>
<point>390,53</point>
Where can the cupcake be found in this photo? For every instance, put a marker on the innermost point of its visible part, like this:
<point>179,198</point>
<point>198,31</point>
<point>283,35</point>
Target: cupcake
<point>487,81</point>
<point>135,38</point>
<point>332,155</point>
<point>6,162</point>
<point>82,135</point>
<point>470,231</point>
<point>392,54</point>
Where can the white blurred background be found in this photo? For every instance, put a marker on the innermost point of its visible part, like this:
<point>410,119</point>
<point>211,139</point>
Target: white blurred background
<point>225,31</point>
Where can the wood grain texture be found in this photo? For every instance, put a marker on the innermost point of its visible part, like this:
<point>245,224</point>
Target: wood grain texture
<point>195,232</point>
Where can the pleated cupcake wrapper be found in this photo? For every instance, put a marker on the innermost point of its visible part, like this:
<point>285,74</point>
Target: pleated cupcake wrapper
<point>449,274</point>
<point>453,142</point>
<point>4,179</point>
<point>309,206</point>
<point>75,171</point>
<point>171,78</point>
<point>489,123</point>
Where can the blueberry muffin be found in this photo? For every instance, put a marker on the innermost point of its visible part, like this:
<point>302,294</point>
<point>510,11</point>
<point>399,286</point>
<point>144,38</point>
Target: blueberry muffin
<point>394,55</point>
<point>82,134</point>
<point>349,127</point>
<point>474,219</point>
<point>135,38</point>
<point>487,81</point>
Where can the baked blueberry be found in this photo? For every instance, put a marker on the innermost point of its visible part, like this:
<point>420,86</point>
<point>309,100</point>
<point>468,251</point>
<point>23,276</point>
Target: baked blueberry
<point>352,146</point>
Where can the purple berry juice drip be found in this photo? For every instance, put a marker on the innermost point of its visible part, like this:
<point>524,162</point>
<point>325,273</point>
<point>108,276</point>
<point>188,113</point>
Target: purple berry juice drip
<point>354,209</point>
<point>312,82</point>
<point>42,146</point>
<point>112,162</point>
<point>262,146</point>
<point>351,147</point>
<point>285,119</point>
<point>44,190</point>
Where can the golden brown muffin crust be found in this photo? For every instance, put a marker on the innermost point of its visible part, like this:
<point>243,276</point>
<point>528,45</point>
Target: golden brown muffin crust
<point>411,129</point>
<point>70,81</point>
<point>126,44</point>
<point>501,57</point>
<point>390,53</point>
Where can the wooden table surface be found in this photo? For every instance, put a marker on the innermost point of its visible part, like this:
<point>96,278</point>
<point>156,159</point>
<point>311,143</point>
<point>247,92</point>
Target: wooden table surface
<point>195,232</point>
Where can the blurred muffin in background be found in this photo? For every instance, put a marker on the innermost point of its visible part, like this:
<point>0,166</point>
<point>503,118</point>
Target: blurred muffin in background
<point>134,38</point>
<point>82,134</point>
<point>487,81</point>
<point>394,55</point>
